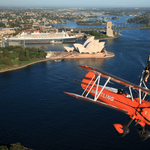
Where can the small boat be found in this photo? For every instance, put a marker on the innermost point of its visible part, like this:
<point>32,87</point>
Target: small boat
<point>58,60</point>
<point>55,41</point>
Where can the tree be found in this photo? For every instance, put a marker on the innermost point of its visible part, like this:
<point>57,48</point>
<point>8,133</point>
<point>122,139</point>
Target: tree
<point>17,50</point>
<point>43,47</point>
<point>17,146</point>
<point>12,25</point>
<point>1,55</point>
<point>6,53</point>
<point>13,55</point>
<point>6,61</point>
<point>96,34</point>
<point>28,48</point>
<point>27,55</point>
<point>9,48</point>
<point>22,56</point>
<point>2,25</point>
<point>42,54</point>
<point>3,148</point>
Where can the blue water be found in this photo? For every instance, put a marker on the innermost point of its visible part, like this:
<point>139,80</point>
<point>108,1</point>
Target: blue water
<point>35,112</point>
<point>74,23</point>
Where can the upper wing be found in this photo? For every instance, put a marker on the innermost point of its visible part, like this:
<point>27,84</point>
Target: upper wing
<point>116,79</point>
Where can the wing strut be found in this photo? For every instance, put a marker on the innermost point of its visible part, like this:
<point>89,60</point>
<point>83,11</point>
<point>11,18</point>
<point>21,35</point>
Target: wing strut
<point>88,86</point>
<point>96,82</point>
<point>97,87</point>
<point>98,78</point>
<point>96,96</point>
<point>140,96</point>
<point>145,93</point>
<point>131,93</point>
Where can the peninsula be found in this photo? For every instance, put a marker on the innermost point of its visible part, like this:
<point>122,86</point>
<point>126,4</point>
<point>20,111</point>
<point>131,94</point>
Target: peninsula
<point>21,61</point>
<point>58,56</point>
<point>16,57</point>
<point>97,22</point>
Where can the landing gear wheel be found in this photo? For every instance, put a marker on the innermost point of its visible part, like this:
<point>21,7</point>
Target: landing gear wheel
<point>143,134</point>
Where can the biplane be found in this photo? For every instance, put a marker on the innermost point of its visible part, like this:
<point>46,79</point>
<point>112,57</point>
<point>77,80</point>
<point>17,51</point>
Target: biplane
<point>134,105</point>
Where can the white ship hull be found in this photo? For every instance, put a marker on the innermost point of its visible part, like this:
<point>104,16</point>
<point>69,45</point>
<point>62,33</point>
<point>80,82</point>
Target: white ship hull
<point>34,38</point>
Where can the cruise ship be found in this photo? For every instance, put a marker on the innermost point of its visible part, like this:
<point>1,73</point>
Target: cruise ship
<point>41,38</point>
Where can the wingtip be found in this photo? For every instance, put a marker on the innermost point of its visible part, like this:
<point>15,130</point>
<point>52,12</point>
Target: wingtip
<point>84,66</point>
<point>81,65</point>
<point>68,93</point>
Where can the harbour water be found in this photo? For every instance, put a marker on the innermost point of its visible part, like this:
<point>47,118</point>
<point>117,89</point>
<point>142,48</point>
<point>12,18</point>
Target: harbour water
<point>114,21</point>
<point>35,112</point>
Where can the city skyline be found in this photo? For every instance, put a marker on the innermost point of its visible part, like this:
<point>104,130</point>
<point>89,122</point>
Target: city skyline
<point>77,3</point>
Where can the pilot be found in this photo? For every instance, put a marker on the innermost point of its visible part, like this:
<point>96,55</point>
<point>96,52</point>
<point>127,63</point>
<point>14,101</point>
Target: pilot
<point>120,91</point>
<point>146,74</point>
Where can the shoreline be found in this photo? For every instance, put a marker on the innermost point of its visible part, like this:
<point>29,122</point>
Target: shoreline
<point>70,56</point>
<point>75,56</point>
<point>16,68</point>
<point>105,54</point>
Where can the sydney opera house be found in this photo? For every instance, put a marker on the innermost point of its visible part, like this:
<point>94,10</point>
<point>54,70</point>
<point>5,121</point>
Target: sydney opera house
<point>90,46</point>
<point>90,49</point>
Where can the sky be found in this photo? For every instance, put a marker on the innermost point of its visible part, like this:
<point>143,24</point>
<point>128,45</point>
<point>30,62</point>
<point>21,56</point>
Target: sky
<point>74,3</point>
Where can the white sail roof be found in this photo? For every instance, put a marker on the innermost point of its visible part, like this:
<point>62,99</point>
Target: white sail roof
<point>88,40</point>
<point>90,46</point>
<point>95,46</point>
<point>101,46</point>
<point>69,49</point>
<point>79,47</point>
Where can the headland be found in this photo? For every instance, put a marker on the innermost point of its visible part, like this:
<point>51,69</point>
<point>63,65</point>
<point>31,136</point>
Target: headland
<point>63,55</point>
<point>91,49</point>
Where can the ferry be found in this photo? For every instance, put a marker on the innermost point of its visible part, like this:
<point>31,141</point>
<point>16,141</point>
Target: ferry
<point>42,38</point>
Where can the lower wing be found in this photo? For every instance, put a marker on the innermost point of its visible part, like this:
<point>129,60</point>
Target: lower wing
<point>98,102</point>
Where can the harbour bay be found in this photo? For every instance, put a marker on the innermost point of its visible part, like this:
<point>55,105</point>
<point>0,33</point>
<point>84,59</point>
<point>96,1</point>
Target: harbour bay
<point>36,112</point>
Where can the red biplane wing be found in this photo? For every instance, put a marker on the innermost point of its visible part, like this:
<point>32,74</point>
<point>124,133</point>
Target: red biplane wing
<point>116,79</point>
<point>129,105</point>
<point>96,102</point>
